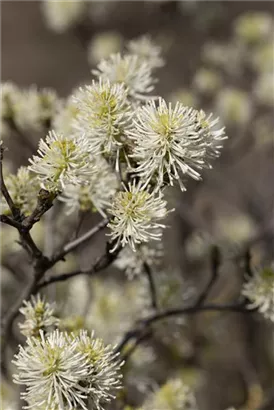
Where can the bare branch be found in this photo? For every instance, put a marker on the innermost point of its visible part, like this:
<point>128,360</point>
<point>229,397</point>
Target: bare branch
<point>152,287</point>
<point>9,221</point>
<point>215,265</point>
<point>79,241</point>
<point>102,262</point>
<point>14,210</point>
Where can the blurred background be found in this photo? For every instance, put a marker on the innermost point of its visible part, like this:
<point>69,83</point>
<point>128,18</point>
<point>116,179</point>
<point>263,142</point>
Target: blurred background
<point>218,57</point>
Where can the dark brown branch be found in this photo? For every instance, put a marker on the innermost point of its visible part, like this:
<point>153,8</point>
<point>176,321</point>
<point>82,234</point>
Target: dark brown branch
<point>44,203</point>
<point>9,221</point>
<point>14,210</point>
<point>215,265</point>
<point>102,262</point>
<point>144,323</point>
<point>152,287</point>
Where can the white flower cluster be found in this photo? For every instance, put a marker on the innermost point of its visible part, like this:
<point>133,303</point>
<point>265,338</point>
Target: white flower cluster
<point>23,188</point>
<point>259,290</point>
<point>170,143</point>
<point>104,114</point>
<point>63,370</point>
<point>136,215</point>
<point>114,148</point>
<point>62,160</point>
<point>173,395</point>
<point>39,315</point>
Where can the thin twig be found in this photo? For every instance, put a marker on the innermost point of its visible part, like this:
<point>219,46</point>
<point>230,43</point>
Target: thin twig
<point>215,265</point>
<point>152,287</point>
<point>102,262</point>
<point>142,324</point>
<point>79,241</point>
<point>14,210</point>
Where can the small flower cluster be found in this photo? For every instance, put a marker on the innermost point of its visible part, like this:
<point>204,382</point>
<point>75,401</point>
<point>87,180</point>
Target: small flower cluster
<point>39,315</point>
<point>23,188</point>
<point>173,395</point>
<point>63,370</point>
<point>28,109</point>
<point>62,161</point>
<point>136,215</point>
<point>259,290</point>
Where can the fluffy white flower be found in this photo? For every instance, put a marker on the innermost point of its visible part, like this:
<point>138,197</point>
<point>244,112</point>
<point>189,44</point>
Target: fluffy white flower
<point>52,369</point>
<point>39,315</point>
<point>103,115</point>
<point>96,195</point>
<point>173,142</point>
<point>62,161</point>
<point>259,289</point>
<point>129,70</point>
<point>173,395</point>
<point>136,213</point>
<point>61,14</point>
<point>23,188</point>
<point>147,50</point>
<point>105,377</point>
<point>133,262</point>
<point>65,371</point>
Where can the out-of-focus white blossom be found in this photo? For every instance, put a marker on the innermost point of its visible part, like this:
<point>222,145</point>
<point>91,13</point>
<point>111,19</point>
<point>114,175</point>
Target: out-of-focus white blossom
<point>65,371</point>
<point>129,70</point>
<point>234,106</point>
<point>207,81</point>
<point>264,89</point>
<point>35,108</point>
<point>253,27</point>
<point>65,115</point>
<point>62,161</point>
<point>133,262</point>
<point>110,314</point>
<point>39,315</point>
<point>259,290</point>
<point>184,96</point>
<point>30,109</point>
<point>60,15</point>
<point>261,57</point>
<point>135,216</point>
<point>103,115</point>
<point>147,51</point>
<point>9,95</point>
<point>173,142</point>
<point>96,194</point>
<point>23,188</point>
<point>173,395</point>
<point>102,45</point>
